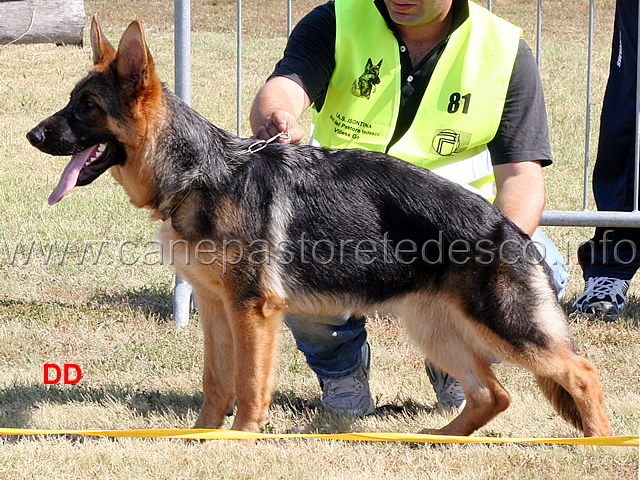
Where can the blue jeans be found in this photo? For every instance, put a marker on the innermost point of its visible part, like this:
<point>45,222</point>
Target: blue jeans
<point>333,345</point>
<point>553,258</point>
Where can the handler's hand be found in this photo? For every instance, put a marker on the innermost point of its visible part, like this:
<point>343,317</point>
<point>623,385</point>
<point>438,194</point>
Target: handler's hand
<point>281,121</point>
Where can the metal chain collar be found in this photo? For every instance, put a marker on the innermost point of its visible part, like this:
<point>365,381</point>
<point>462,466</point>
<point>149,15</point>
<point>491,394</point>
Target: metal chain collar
<point>260,144</point>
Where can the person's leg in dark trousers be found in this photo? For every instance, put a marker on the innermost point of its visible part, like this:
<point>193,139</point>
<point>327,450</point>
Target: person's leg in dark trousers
<point>611,258</point>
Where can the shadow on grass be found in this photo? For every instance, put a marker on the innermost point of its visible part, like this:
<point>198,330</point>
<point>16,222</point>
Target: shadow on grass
<point>298,405</point>
<point>18,402</point>
<point>33,308</point>
<point>156,301</point>
<point>405,407</point>
<point>314,419</point>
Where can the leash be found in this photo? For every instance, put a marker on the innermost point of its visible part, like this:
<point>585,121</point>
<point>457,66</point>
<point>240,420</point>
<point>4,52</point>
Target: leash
<point>184,197</point>
<point>260,144</point>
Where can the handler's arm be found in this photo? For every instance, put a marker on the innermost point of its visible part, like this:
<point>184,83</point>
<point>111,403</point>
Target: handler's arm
<point>277,108</point>
<point>520,193</point>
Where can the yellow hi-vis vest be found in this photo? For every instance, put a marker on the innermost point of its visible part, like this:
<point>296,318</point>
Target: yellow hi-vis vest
<point>461,108</point>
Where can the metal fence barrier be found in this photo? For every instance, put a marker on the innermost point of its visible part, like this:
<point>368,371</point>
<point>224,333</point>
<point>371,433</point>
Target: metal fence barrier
<point>581,218</point>
<point>585,217</point>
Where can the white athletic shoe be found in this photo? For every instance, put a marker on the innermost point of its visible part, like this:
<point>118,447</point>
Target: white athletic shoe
<point>603,297</point>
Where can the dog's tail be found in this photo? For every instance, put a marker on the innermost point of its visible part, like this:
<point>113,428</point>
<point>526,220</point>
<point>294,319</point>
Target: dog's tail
<point>564,403</point>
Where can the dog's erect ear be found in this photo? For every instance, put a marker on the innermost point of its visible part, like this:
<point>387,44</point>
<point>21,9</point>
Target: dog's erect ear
<point>133,60</point>
<point>102,50</point>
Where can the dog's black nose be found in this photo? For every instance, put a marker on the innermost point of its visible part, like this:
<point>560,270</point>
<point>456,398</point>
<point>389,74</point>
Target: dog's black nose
<point>36,136</point>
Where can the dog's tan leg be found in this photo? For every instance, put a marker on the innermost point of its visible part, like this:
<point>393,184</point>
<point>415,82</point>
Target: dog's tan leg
<point>256,340</point>
<point>486,397</point>
<point>572,384</point>
<point>218,378</point>
<point>451,341</point>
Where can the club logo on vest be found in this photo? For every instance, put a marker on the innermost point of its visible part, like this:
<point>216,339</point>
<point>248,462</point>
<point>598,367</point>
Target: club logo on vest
<point>365,84</point>
<point>446,142</point>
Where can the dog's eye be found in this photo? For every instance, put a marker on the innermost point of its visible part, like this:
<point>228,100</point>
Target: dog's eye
<point>84,107</point>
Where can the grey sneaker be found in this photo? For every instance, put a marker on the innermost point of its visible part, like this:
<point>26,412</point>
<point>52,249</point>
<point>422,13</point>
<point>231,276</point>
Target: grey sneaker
<point>604,297</point>
<point>350,394</point>
<point>448,390</point>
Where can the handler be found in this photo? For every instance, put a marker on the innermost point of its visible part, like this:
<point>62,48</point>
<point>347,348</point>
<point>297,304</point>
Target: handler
<point>443,84</point>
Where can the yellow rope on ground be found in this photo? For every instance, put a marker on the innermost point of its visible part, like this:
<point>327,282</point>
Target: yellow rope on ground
<point>207,434</point>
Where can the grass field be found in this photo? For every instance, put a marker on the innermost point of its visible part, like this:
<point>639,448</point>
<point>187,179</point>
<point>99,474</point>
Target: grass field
<point>82,283</point>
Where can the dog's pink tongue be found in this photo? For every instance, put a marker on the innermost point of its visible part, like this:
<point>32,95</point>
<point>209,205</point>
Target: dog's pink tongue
<point>70,175</point>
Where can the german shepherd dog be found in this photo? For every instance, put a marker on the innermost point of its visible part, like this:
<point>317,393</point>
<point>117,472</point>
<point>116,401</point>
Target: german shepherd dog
<point>260,233</point>
<point>366,83</point>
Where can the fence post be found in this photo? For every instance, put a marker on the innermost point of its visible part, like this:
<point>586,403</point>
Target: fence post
<point>587,133</point>
<point>636,177</point>
<point>182,292</point>
<point>239,69</point>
